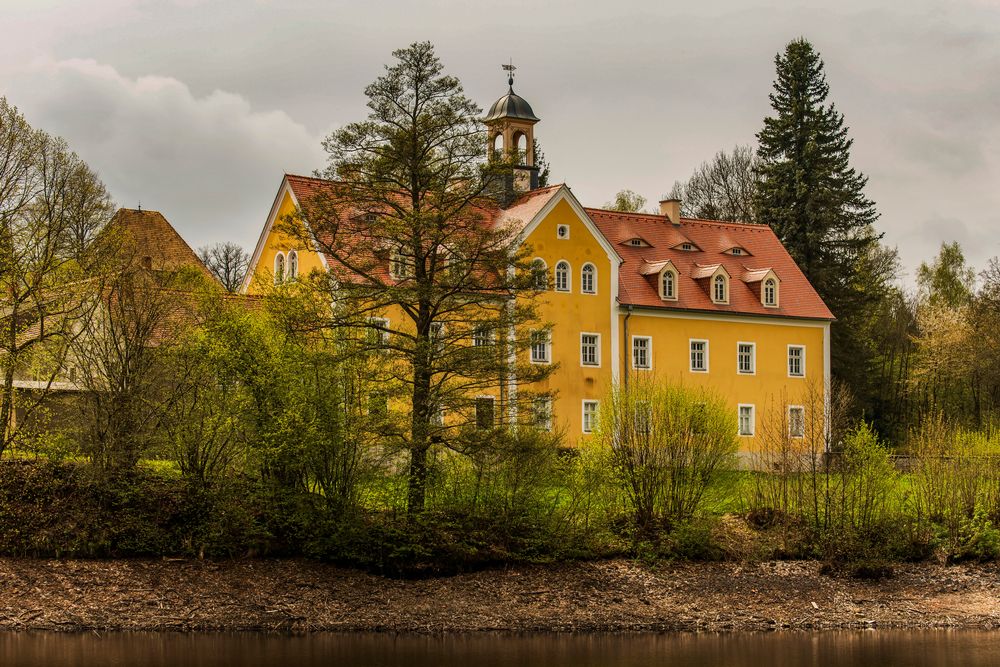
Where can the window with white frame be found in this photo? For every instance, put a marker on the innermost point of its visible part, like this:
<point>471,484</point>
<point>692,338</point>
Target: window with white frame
<point>481,336</point>
<point>485,413</point>
<point>699,356</point>
<point>590,349</point>
<point>380,330</point>
<point>746,419</point>
<point>796,421</point>
<point>562,276</point>
<point>770,292</point>
<point>590,416</point>
<point>293,265</point>
<point>540,274</point>
<point>642,352</point>
<point>279,268</point>
<point>668,285</point>
<point>540,346</point>
<point>719,291</point>
<point>398,266</point>
<point>437,335</point>
<point>541,413</point>
<point>746,361</point>
<point>796,361</point>
<point>588,279</point>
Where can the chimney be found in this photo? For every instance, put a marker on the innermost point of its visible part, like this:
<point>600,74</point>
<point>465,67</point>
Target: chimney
<point>672,209</point>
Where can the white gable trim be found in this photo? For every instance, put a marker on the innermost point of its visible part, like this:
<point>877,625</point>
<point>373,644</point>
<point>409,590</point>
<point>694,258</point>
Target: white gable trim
<point>284,189</point>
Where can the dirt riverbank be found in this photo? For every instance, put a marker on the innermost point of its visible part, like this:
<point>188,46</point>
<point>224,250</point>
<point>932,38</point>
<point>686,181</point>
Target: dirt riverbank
<point>299,596</point>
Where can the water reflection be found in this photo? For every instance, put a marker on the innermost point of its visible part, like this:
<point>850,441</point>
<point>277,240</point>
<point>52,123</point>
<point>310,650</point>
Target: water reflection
<point>876,648</point>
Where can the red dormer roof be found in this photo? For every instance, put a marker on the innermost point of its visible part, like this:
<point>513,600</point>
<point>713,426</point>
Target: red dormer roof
<point>637,287</point>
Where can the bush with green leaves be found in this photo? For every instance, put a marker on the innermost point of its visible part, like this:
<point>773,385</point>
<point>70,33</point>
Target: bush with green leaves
<point>665,443</point>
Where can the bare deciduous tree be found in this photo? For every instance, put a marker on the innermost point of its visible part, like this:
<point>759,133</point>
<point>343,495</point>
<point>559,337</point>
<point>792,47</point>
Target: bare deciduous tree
<point>51,206</point>
<point>721,189</point>
<point>228,262</point>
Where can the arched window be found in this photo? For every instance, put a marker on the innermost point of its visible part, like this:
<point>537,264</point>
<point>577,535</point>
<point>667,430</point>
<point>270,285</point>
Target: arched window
<point>770,292</point>
<point>540,274</point>
<point>668,285</point>
<point>279,268</point>
<point>520,146</point>
<point>562,276</point>
<point>498,146</point>
<point>719,295</point>
<point>293,265</point>
<point>588,279</point>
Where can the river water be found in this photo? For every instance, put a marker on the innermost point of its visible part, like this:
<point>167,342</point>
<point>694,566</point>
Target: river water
<point>874,648</point>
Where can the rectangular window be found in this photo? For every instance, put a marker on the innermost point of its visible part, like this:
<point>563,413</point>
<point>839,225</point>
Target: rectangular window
<point>796,361</point>
<point>699,356</point>
<point>481,336</point>
<point>437,335</point>
<point>746,361</point>
<point>796,421</point>
<point>642,349</point>
<point>542,413</point>
<point>484,413</point>
<point>379,331</point>
<point>589,416</point>
<point>540,347</point>
<point>746,418</point>
<point>590,349</point>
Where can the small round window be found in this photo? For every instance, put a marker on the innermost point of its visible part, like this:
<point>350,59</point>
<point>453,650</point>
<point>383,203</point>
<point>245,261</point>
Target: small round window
<point>562,231</point>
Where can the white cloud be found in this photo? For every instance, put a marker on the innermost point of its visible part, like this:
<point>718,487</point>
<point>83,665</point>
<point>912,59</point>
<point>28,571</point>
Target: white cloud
<point>210,164</point>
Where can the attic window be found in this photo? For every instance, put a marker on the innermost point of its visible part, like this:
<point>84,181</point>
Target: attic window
<point>770,293</point>
<point>636,242</point>
<point>687,246</point>
<point>737,251</point>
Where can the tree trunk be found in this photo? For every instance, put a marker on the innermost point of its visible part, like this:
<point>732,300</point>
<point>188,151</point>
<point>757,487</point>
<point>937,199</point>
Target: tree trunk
<point>420,423</point>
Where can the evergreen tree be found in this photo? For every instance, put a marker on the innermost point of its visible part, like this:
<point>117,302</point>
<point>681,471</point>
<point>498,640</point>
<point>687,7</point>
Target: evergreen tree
<point>815,202</point>
<point>406,230</point>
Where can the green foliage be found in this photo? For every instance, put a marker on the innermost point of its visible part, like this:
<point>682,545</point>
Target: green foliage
<point>627,201</point>
<point>665,443</point>
<point>947,281</point>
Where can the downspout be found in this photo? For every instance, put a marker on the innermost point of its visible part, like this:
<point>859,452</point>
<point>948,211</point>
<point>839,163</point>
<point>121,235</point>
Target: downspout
<point>625,347</point>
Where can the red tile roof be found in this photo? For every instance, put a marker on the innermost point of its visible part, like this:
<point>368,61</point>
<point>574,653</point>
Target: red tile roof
<point>797,298</point>
<point>637,283</point>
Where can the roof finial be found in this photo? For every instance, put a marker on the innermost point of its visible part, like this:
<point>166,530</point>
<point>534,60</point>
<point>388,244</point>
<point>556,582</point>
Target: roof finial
<point>509,68</point>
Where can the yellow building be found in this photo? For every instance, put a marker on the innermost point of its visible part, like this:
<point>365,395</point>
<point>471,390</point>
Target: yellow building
<point>700,302</point>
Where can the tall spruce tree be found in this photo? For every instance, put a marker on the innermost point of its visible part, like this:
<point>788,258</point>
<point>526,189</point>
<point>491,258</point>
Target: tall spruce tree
<point>815,202</point>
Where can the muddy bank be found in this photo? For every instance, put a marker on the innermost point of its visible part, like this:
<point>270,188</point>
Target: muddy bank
<point>300,596</point>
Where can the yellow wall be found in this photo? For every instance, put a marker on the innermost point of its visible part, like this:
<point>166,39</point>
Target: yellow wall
<point>769,388</point>
<point>574,312</point>
<point>279,241</point>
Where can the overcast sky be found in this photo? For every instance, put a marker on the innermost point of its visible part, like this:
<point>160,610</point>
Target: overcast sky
<point>197,107</point>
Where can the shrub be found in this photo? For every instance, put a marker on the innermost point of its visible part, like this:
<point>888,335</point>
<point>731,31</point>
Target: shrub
<point>666,444</point>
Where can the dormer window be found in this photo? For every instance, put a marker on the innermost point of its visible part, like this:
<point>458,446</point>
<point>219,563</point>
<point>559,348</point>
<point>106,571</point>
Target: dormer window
<point>720,289</point>
<point>687,246</point>
<point>668,285</point>
<point>637,243</point>
<point>398,268</point>
<point>737,251</point>
<point>770,293</point>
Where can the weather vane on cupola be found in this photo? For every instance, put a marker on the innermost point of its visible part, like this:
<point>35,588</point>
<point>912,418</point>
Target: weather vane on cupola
<point>509,68</point>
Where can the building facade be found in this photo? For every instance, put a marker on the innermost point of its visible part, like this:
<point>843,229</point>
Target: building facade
<point>703,303</point>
